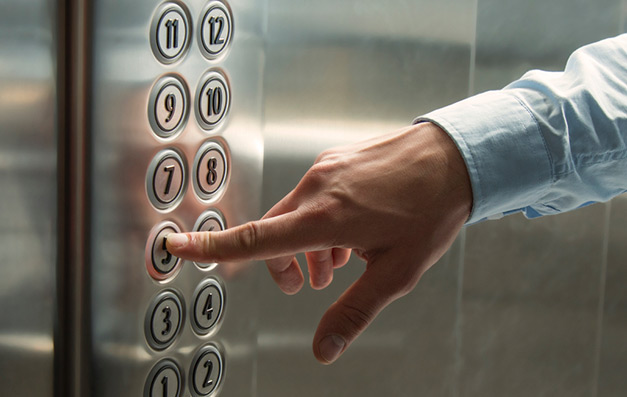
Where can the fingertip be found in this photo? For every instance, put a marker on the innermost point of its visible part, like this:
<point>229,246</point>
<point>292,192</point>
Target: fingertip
<point>319,283</point>
<point>289,278</point>
<point>176,241</point>
<point>292,289</point>
<point>329,349</point>
<point>340,257</point>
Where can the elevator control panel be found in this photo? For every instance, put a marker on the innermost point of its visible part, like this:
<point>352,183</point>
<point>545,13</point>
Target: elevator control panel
<point>177,306</point>
<point>175,145</point>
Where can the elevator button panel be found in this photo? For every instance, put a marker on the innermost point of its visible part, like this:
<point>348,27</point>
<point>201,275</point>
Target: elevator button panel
<point>209,221</point>
<point>166,179</point>
<point>206,372</point>
<point>210,170</point>
<point>164,380</point>
<point>172,98</point>
<point>170,32</point>
<point>216,29</point>
<point>168,107</point>
<point>208,306</point>
<point>213,99</point>
<point>164,319</point>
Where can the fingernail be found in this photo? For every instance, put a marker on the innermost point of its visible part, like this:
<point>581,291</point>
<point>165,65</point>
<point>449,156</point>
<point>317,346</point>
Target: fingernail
<point>331,347</point>
<point>177,240</point>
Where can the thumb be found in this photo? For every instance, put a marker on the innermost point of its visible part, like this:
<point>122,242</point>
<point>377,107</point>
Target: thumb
<point>355,310</point>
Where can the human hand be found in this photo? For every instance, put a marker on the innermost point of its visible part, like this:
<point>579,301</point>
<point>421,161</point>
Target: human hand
<point>398,201</point>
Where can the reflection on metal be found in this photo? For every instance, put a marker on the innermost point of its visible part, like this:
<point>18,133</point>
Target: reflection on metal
<point>28,186</point>
<point>85,107</point>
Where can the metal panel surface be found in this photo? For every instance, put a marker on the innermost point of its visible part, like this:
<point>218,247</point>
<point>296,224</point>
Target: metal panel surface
<point>532,288</point>
<point>613,346</point>
<point>338,72</point>
<point>28,180</point>
<point>124,71</point>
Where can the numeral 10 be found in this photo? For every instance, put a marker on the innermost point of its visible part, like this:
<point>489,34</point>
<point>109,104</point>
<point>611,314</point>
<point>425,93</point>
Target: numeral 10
<point>214,101</point>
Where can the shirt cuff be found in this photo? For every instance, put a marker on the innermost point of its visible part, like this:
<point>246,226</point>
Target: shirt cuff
<point>505,153</point>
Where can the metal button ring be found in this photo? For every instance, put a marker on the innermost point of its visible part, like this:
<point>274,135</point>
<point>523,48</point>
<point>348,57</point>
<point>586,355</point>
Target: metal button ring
<point>164,380</point>
<point>166,179</point>
<point>210,170</point>
<point>208,306</point>
<point>161,265</point>
<point>206,372</point>
<point>209,221</point>
<point>213,99</point>
<point>164,319</point>
<point>168,106</point>
<point>216,30</point>
<point>170,32</point>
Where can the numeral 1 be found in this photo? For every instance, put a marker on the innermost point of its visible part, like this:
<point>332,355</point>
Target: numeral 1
<point>164,382</point>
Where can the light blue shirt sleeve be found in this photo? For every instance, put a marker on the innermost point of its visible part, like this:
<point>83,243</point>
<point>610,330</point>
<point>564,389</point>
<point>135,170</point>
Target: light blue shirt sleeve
<point>549,142</point>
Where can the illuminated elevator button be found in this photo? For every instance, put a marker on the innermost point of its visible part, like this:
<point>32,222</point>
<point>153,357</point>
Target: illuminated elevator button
<point>208,306</point>
<point>215,30</point>
<point>162,260</point>
<point>170,32</point>
<point>206,372</point>
<point>209,221</point>
<point>168,108</point>
<point>164,380</point>
<point>210,170</point>
<point>213,99</point>
<point>163,320</point>
<point>160,264</point>
<point>165,180</point>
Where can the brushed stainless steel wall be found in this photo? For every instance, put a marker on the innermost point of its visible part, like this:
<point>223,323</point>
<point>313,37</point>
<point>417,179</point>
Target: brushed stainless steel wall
<point>28,186</point>
<point>517,307</point>
<point>339,71</point>
<point>124,71</point>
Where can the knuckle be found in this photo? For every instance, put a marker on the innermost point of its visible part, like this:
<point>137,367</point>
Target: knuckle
<point>324,155</point>
<point>248,237</point>
<point>357,317</point>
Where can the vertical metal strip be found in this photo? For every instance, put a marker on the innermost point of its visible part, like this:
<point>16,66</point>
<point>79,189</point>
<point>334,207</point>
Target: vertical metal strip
<point>72,331</point>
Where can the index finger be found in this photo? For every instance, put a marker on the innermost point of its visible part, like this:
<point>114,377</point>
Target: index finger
<point>280,236</point>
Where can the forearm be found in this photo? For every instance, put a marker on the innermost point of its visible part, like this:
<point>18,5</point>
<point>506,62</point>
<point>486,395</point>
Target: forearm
<point>549,142</point>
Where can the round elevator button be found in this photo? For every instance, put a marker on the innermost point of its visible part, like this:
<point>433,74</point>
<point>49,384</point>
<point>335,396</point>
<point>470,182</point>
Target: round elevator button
<point>170,32</point>
<point>165,180</point>
<point>164,380</point>
<point>206,372</point>
<point>160,264</point>
<point>209,221</point>
<point>168,107</point>
<point>215,30</point>
<point>163,320</point>
<point>210,170</point>
<point>208,306</point>
<point>213,99</point>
